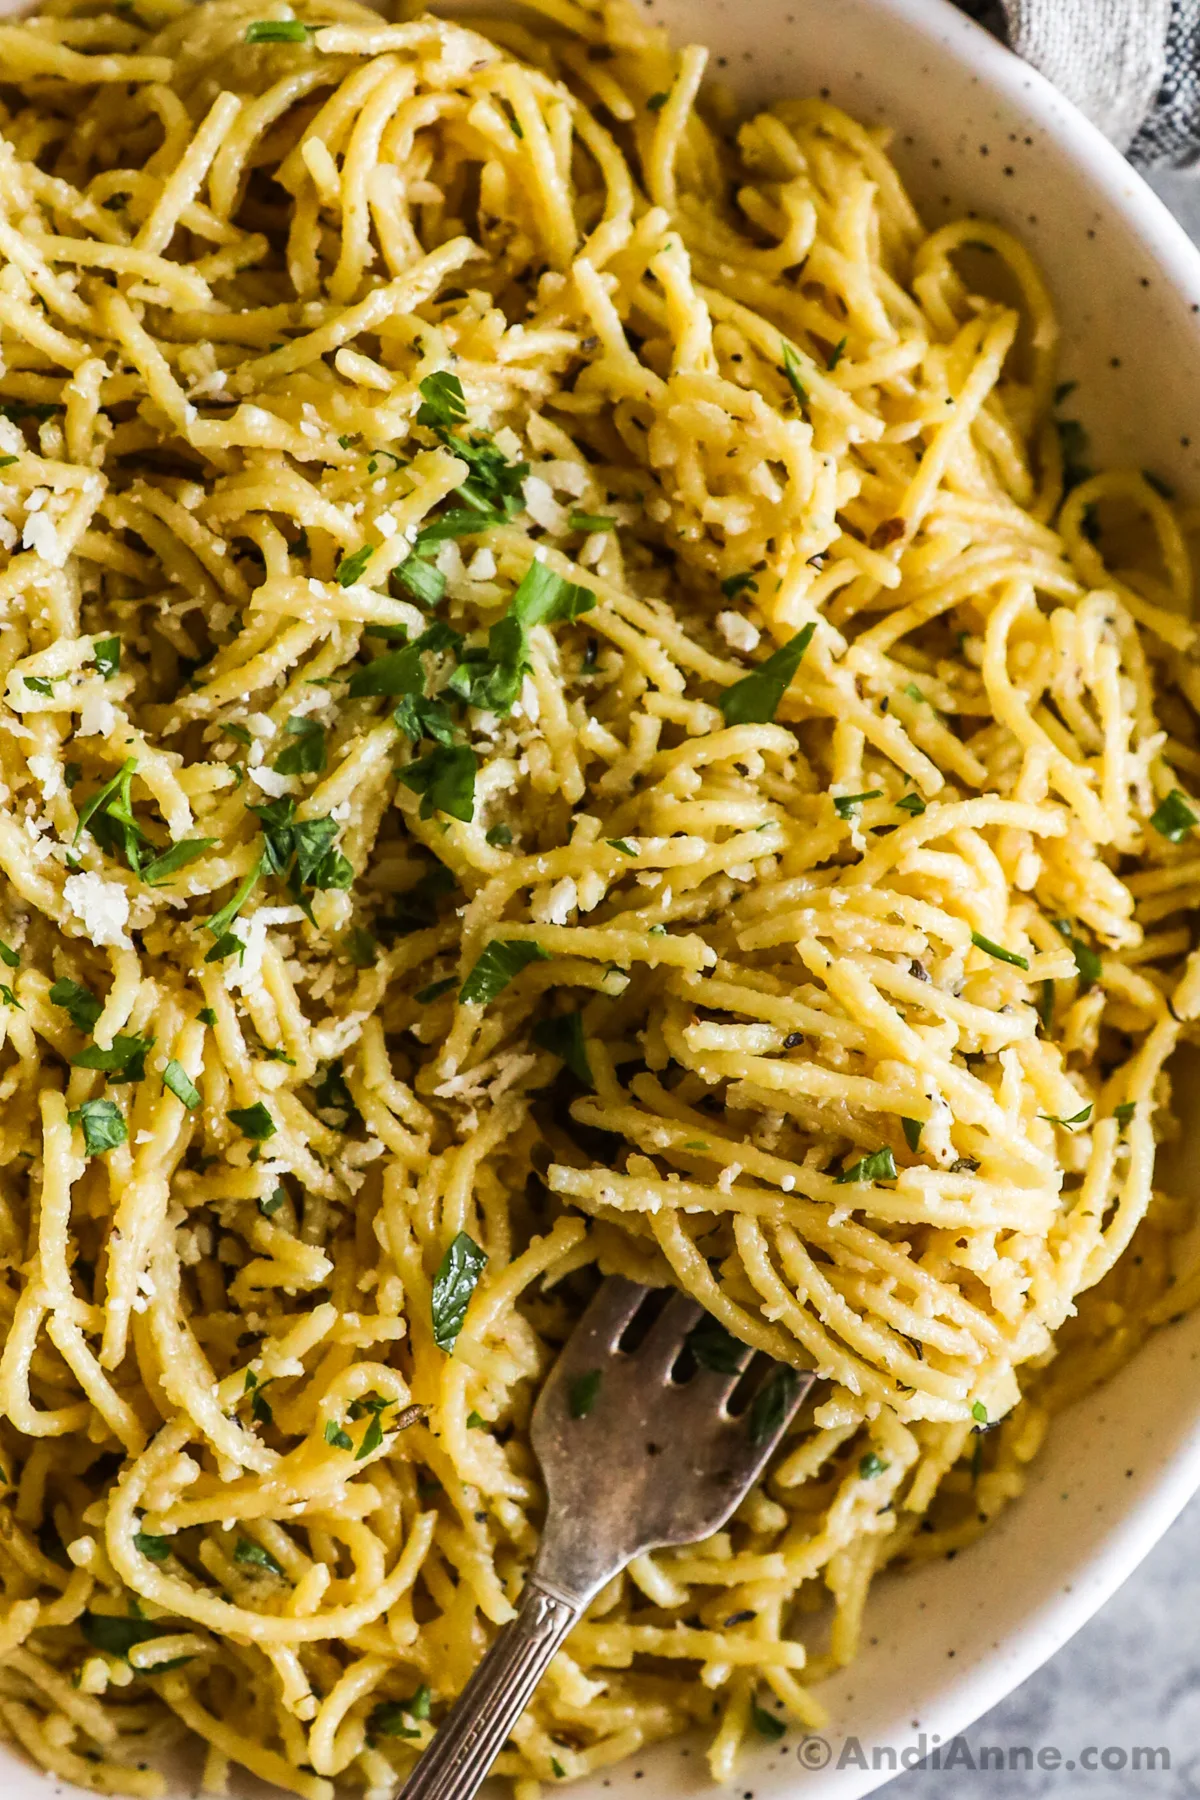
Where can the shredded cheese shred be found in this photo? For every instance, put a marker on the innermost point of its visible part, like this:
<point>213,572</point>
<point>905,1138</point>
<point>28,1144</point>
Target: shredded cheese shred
<point>569,704</point>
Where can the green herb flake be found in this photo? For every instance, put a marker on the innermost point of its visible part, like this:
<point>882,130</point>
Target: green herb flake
<point>253,1121</point>
<point>557,1770</point>
<point>501,961</point>
<point>124,1059</point>
<point>846,805</point>
<point>445,780</point>
<point>306,756</point>
<point>176,1078</point>
<point>656,102</point>
<point>1173,817</point>
<point>351,568</point>
<point>998,951</point>
<point>443,400</point>
<point>911,803</point>
<point>102,1123</point>
<point>755,699</point>
<point>9,957</point>
<point>421,579</point>
<point>156,1548</point>
<point>106,654</point>
<point>563,1037</point>
<point>1079,1118</point>
<point>772,1404</point>
<point>207,1016</point>
<point>716,1348</point>
<point>475,1421</point>
<point>836,354</point>
<point>586,521</point>
<point>871,1465</point>
<point>582,1393</point>
<point>253,1556</point>
<point>979,1412</point>
<point>744,583</point>
<point>1124,1112</point>
<point>623,845</point>
<point>427,995</point>
<point>177,857</point>
<point>792,369</point>
<point>766,1723</point>
<point>341,1440</point>
<point>500,836</point>
<point>277,31</point>
<point>880,1165</point>
<point>912,1132</point>
<point>455,1282</point>
<point>116,1636</point>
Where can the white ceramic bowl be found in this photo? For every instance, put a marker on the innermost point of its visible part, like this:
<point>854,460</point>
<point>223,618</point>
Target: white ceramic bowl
<point>975,129</point>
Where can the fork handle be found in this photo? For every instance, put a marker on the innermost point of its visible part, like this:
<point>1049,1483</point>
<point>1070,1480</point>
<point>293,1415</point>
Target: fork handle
<point>473,1732</point>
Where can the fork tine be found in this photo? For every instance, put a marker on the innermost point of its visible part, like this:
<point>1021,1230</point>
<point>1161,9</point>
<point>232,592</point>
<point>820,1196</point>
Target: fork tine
<point>605,1319</point>
<point>659,1353</point>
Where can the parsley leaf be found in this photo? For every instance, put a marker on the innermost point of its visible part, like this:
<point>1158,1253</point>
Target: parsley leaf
<point>253,1556</point>
<point>114,1635</point>
<point>716,1348</point>
<point>733,585</point>
<point>177,857</point>
<point>445,779</point>
<point>493,681</point>
<point>177,1079</point>
<point>277,31</point>
<point>582,1393</point>
<point>106,653</point>
<point>1079,1118</point>
<point>563,1037</point>
<point>998,951</point>
<point>586,521</point>
<point>156,1548</point>
<point>846,805</point>
<point>103,1126</point>
<point>1173,817</point>
<point>912,1132</point>
<point>766,1723</point>
<point>501,961</point>
<point>420,578</point>
<point>772,1404</point>
<point>9,957</point>
<point>341,1440</point>
<point>442,400</point>
<point>880,1165</point>
<point>253,1121</point>
<point>351,568</point>
<point>123,1060</point>
<point>78,1002</point>
<point>911,803</point>
<point>307,755</point>
<point>754,700</point>
<point>455,1282</point>
<point>791,368</point>
<point>871,1465</point>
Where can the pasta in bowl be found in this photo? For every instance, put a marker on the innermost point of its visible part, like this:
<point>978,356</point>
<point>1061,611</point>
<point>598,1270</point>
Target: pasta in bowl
<point>569,705</point>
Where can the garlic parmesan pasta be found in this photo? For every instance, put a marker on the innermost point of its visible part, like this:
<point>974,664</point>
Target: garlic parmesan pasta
<point>569,704</point>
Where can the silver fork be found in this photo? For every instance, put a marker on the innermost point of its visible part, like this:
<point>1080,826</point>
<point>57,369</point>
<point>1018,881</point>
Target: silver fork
<point>633,1461</point>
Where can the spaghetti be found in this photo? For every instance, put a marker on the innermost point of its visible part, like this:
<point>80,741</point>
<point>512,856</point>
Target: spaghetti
<point>567,707</point>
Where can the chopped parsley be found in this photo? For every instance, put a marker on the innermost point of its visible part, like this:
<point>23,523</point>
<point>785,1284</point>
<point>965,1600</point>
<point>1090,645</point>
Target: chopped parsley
<point>106,653</point>
<point>733,585</point>
<point>791,368</point>
<point>1124,1112</point>
<point>586,521</point>
<point>1079,1118</point>
<point>871,1465</point>
<point>1173,817</point>
<point>998,951</point>
<point>582,1393</point>
<point>78,1002</point>
<point>491,678</point>
<point>306,756</point>
<point>176,1078</point>
<point>445,780</point>
<point>846,805</point>
<point>911,803</point>
<point>351,568</point>
<point>123,1060</point>
<point>754,700</point>
<point>277,31</point>
<point>456,1279</point>
<point>912,1132</point>
<point>772,1404</point>
<point>253,1556</point>
<point>421,579</point>
<point>563,1037</point>
<point>500,962</point>
<point>176,858</point>
<point>102,1125</point>
<point>254,1122</point>
<point>442,400</point>
<point>766,1723</point>
<point>879,1165</point>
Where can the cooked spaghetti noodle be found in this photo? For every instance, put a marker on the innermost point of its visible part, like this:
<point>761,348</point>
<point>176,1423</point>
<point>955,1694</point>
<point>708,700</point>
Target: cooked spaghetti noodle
<point>563,711</point>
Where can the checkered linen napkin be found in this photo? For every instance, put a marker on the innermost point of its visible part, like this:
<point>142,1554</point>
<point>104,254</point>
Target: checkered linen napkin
<point>1133,66</point>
